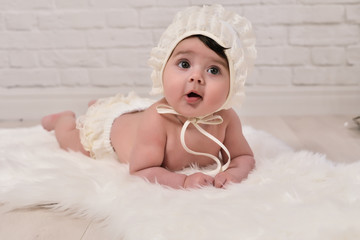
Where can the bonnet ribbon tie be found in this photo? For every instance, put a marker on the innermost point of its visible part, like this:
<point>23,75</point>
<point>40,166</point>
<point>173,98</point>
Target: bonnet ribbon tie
<point>210,120</point>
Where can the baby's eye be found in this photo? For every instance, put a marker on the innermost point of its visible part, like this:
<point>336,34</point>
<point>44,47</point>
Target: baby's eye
<point>214,70</point>
<point>184,64</point>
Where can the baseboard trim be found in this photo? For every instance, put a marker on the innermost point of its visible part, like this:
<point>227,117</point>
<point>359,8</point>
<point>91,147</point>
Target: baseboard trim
<point>31,104</point>
<point>343,100</point>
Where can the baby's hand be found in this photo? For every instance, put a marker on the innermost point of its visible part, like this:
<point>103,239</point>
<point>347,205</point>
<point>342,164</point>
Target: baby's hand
<point>224,178</point>
<point>197,180</point>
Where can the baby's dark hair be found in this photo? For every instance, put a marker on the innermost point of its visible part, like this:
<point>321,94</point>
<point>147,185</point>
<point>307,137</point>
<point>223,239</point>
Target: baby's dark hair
<point>213,45</point>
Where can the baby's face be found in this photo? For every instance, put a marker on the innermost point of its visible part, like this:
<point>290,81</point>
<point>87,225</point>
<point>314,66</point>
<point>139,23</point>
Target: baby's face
<point>196,80</point>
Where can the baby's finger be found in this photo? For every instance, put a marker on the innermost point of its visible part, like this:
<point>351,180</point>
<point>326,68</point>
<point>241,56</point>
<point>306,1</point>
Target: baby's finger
<point>220,181</point>
<point>208,180</point>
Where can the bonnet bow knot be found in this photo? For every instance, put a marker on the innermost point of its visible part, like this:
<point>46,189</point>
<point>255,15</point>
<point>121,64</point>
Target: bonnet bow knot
<point>209,120</point>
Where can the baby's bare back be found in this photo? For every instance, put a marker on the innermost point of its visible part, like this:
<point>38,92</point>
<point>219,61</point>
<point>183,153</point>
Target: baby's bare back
<point>124,136</point>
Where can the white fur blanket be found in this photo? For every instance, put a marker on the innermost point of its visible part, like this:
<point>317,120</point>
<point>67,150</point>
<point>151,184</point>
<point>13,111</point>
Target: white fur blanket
<point>290,195</point>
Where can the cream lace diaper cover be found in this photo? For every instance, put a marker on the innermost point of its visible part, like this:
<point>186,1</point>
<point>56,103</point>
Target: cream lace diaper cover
<point>95,125</point>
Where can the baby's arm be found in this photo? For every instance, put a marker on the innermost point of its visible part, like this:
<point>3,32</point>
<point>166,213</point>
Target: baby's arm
<point>148,155</point>
<point>242,161</point>
<point>239,169</point>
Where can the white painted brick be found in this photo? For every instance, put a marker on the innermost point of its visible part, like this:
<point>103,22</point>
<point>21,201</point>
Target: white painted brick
<point>1,21</point>
<point>145,77</point>
<point>69,4</point>
<point>4,59</point>
<point>13,40</point>
<point>73,58</point>
<point>2,24</point>
<point>89,43</point>
<point>4,40</point>
<point>327,76</point>
<point>252,77</point>
<point>327,1</point>
<point>42,40</point>
<point>120,77</point>
<point>25,4</point>
<point>173,3</point>
<point>129,58</point>
<point>121,4</point>
<point>49,21</point>
<point>294,14</point>
<point>75,20</point>
<point>74,77</point>
<point>271,35</point>
<point>123,18</point>
<point>324,35</point>
<point>31,40</point>
<point>126,58</point>
<point>120,38</point>
<point>20,21</point>
<point>225,2</point>
<point>328,56</point>
<point>283,56</point>
<point>84,20</point>
<point>271,76</point>
<point>156,35</point>
<point>144,55</point>
<point>321,14</point>
<point>157,17</point>
<point>279,2</point>
<point>353,55</point>
<point>65,39</point>
<point>28,78</point>
<point>23,59</point>
<point>353,13</point>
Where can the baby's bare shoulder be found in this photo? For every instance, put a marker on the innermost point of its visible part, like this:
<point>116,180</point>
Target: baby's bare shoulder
<point>229,116</point>
<point>151,120</point>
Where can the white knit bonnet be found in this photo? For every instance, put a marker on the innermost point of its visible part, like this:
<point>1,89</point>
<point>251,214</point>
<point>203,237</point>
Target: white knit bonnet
<point>228,29</point>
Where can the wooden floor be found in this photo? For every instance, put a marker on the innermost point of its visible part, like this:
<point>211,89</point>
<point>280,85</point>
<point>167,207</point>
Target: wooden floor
<point>324,134</point>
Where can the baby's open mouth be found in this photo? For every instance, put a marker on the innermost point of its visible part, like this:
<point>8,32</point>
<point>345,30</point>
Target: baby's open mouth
<point>193,95</point>
<point>193,98</point>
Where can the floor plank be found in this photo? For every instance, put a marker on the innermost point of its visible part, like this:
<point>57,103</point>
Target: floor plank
<point>323,134</point>
<point>328,135</point>
<point>40,224</point>
<point>276,126</point>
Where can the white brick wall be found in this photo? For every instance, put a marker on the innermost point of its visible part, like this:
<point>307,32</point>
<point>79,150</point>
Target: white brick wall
<point>47,45</point>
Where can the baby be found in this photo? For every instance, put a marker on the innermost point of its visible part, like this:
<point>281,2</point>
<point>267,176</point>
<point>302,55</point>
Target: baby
<point>200,66</point>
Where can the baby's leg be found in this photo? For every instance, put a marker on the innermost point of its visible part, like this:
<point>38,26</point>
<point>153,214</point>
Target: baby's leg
<point>67,135</point>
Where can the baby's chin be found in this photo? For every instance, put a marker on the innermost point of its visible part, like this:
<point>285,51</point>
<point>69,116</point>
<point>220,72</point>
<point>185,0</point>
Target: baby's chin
<point>196,114</point>
<point>198,110</point>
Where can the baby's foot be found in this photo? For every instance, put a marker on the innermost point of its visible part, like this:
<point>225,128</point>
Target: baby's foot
<point>48,122</point>
<point>91,103</point>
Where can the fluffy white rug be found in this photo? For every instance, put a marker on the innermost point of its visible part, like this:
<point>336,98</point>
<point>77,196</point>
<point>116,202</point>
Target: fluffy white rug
<point>290,195</point>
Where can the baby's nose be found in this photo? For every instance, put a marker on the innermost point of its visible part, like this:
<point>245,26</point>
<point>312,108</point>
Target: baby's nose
<point>197,78</point>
